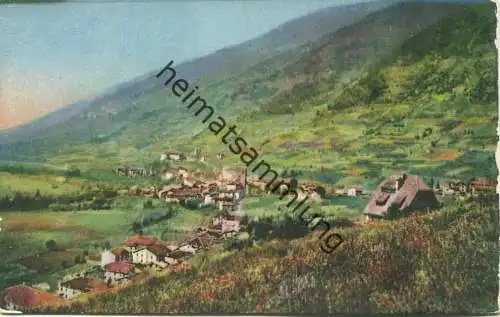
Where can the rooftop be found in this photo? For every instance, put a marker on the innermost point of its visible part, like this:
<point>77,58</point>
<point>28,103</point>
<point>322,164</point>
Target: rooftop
<point>141,240</point>
<point>119,267</point>
<point>81,284</point>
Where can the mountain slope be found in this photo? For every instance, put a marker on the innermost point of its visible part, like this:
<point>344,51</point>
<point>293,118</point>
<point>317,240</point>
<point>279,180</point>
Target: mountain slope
<point>68,126</point>
<point>138,126</point>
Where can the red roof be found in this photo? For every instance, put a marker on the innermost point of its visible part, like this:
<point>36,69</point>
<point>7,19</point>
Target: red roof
<point>141,240</point>
<point>482,182</point>
<point>119,267</point>
<point>28,297</point>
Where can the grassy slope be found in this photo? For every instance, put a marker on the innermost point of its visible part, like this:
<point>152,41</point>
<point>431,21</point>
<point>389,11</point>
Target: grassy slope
<point>444,263</point>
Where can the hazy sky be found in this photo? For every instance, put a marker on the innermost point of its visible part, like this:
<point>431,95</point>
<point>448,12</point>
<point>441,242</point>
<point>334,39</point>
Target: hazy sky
<point>55,54</point>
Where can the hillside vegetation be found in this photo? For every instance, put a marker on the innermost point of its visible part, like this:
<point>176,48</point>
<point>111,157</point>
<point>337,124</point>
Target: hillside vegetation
<point>446,262</point>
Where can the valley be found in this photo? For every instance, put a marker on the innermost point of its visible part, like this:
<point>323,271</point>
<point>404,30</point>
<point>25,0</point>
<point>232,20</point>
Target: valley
<point>395,107</point>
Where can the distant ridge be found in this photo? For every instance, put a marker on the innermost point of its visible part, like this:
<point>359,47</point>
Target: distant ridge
<point>235,58</point>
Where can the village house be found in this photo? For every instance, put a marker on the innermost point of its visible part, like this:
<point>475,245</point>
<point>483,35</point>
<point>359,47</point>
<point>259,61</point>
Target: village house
<point>208,199</point>
<point>176,195</point>
<point>227,204</point>
<point>168,176</point>
<point>114,255</point>
<point>354,191</point>
<point>482,186</point>
<point>21,297</point>
<point>400,194</point>
<point>177,256</point>
<point>153,255</point>
<point>73,288</point>
<point>117,272</point>
<point>135,243</point>
<point>173,156</point>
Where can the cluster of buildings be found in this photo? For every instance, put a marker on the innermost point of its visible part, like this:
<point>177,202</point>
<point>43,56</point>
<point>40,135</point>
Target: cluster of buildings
<point>225,192</point>
<point>302,189</point>
<point>134,171</point>
<point>121,264</point>
<point>473,188</point>
<point>197,155</point>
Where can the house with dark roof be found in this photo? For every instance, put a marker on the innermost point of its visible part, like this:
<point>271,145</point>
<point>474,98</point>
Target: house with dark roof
<point>399,195</point>
<point>20,297</point>
<point>177,256</point>
<point>73,288</point>
<point>153,255</point>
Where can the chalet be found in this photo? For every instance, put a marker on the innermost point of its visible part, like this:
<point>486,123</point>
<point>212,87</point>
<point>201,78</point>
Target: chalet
<point>135,243</point>
<point>73,288</point>
<point>401,194</point>
<point>354,191</point>
<point>21,297</point>
<point>177,256</point>
<point>118,271</point>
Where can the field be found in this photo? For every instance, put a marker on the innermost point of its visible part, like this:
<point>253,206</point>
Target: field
<point>24,235</point>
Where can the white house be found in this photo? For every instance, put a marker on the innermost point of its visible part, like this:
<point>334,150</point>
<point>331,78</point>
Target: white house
<point>152,255</point>
<point>354,191</point>
<point>117,271</point>
<point>107,257</point>
<point>209,200</point>
<point>73,288</point>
